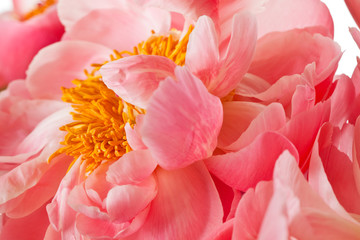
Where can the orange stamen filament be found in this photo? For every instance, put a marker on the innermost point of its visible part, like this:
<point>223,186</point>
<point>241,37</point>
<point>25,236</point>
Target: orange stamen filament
<point>40,8</point>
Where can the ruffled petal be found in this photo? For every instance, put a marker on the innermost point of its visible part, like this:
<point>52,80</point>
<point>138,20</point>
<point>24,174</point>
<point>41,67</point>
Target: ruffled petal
<point>57,65</point>
<point>135,78</point>
<point>182,121</point>
<point>202,55</point>
<point>238,116</point>
<point>124,202</point>
<point>187,205</point>
<point>245,168</point>
<point>283,15</point>
<point>238,56</point>
<point>272,61</point>
<point>111,24</point>
<point>272,118</point>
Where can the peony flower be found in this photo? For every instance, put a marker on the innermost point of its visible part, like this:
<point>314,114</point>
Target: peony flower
<point>25,31</point>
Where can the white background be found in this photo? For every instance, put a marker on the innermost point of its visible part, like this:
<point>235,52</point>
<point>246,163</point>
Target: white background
<point>342,20</point>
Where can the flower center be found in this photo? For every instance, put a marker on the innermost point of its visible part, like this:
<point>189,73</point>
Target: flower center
<point>97,133</point>
<point>40,8</point>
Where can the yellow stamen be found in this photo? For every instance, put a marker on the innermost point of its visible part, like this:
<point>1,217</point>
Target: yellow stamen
<point>97,133</point>
<point>40,8</point>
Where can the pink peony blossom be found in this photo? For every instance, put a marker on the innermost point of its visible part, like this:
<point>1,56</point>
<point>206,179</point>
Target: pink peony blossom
<point>24,32</point>
<point>238,100</point>
<point>354,6</point>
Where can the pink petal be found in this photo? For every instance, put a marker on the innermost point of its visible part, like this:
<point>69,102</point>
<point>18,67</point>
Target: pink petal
<point>187,205</point>
<point>354,6</point>
<point>22,40</point>
<point>182,121</point>
<point>29,173</point>
<point>342,101</point>
<point>57,65</point>
<point>237,57</point>
<point>245,168</point>
<point>132,168</point>
<point>31,227</point>
<point>124,202</point>
<point>238,116</point>
<point>331,174</point>
<point>202,55</point>
<point>191,9</point>
<point>251,210</point>
<point>224,232</point>
<point>33,198</point>
<point>51,234</point>
<point>133,135</point>
<point>272,61</point>
<point>61,215</point>
<point>111,24</point>
<point>303,99</point>
<point>302,132</point>
<point>135,78</point>
<point>304,13</point>
<point>356,35</point>
<point>272,118</point>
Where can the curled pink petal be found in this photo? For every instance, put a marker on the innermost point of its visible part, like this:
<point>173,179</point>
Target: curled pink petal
<point>189,114</point>
<point>135,78</point>
<point>354,8</point>
<point>245,168</point>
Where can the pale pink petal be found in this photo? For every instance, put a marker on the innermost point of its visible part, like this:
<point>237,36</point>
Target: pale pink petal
<point>29,173</point>
<point>202,55</point>
<point>236,61</point>
<point>245,168</point>
<point>111,24</point>
<point>272,118</point>
<point>31,227</point>
<point>20,42</point>
<point>191,9</point>
<point>187,205</point>
<point>132,168</point>
<point>282,15</point>
<point>125,202</point>
<point>57,65</point>
<point>272,61</point>
<point>133,135</point>
<point>135,78</point>
<point>251,211</point>
<point>182,121</point>
<point>354,8</point>
<point>237,117</point>
<point>277,209</point>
